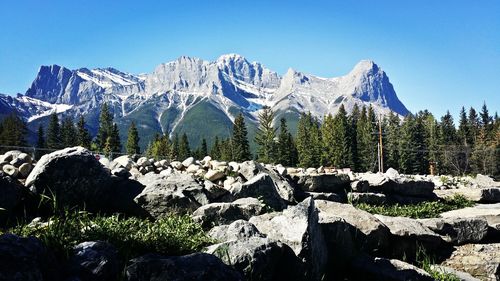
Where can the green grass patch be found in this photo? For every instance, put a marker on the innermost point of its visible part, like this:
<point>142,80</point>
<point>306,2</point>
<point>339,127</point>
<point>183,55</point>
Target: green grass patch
<point>417,211</point>
<point>425,261</point>
<point>174,235</point>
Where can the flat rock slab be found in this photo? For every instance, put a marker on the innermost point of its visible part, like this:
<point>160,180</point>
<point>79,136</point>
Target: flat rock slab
<point>479,260</point>
<point>490,212</point>
<point>333,183</point>
<point>458,230</point>
<point>381,269</point>
<point>482,195</point>
<point>225,213</point>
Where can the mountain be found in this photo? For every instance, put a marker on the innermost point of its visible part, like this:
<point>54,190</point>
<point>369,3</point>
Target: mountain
<point>197,97</point>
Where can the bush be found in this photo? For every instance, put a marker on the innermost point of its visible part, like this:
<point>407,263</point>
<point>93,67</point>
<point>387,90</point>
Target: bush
<point>174,235</point>
<point>418,211</point>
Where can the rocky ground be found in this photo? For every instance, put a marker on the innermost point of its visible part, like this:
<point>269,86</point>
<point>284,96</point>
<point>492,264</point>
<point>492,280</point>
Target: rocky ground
<point>267,222</point>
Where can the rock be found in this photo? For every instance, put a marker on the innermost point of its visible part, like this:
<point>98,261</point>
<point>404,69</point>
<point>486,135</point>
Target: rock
<point>462,276</point>
<point>235,167</point>
<point>192,169</point>
<point>239,229</point>
<point>486,181</point>
<point>25,169</point>
<point>260,258</point>
<point>213,175</point>
<point>369,234</point>
<point>218,165</point>
<point>73,176</point>
<point>409,234</point>
<point>125,161</point>
<point>479,260</point>
<point>392,174</point>
<point>368,198</point>
<point>206,161</point>
<point>189,161</point>
<point>168,171</point>
<point>9,155</point>
<point>490,212</point>
<point>261,187</point>
<point>193,267</point>
<point>11,195</point>
<point>360,186</point>
<point>10,170</point>
<point>124,191</point>
<point>484,195</point>
<point>214,191</point>
<point>26,259</point>
<point>281,170</point>
<point>298,227</point>
<point>143,162</point>
<point>381,269</point>
<point>178,193</point>
<point>121,172</point>
<point>224,213</point>
<point>380,183</point>
<point>335,183</point>
<point>250,169</point>
<point>105,162</point>
<point>176,165</point>
<point>458,230</point>
<point>335,197</point>
<point>94,261</point>
<point>310,171</point>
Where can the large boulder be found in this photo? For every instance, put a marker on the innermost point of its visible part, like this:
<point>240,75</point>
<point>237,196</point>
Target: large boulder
<point>250,169</point>
<point>299,228</point>
<point>178,193</point>
<point>336,183</point>
<point>408,235</point>
<point>458,230</point>
<point>490,212</point>
<point>26,259</point>
<point>367,198</point>
<point>402,186</point>
<point>96,260</point>
<point>483,195</point>
<point>381,269</point>
<point>262,187</point>
<point>367,232</point>
<point>224,213</point>
<point>239,229</point>
<point>480,260</point>
<point>260,258</point>
<point>12,193</point>
<point>193,267</point>
<point>73,176</point>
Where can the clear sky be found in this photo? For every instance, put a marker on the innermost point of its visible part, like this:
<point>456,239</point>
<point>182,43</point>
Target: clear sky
<point>438,55</point>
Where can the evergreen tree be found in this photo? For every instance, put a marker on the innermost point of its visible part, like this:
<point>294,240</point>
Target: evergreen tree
<point>336,140</point>
<point>367,140</point>
<point>473,121</point>
<point>239,141</point>
<point>68,132</point>
<point>391,142</point>
<point>215,151</point>
<point>353,121</point>
<point>226,150</point>
<point>483,159</point>
<point>308,141</point>
<point>287,152</point>
<point>83,135</point>
<point>133,140</point>
<point>54,133</point>
<point>265,137</point>
<point>113,140</point>
<point>407,149</point>
<point>159,148</point>
<point>203,149</point>
<point>448,141</point>
<point>463,128</point>
<point>174,151</point>
<point>184,150</point>
<point>486,121</point>
<point>105,127</point>
<point>14,131</point>
<point>40,142</point>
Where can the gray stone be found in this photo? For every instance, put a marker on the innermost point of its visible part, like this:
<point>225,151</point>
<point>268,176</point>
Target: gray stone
<point>479,260</point>
<point>176,165</point>
<point>368,198</point>
<point>458,230</point>
<point>125,161</point>
<point>188,162</point>
<point>392,173</point>
<point>224,213</point>
<point>213,175</point>
<point>25,169</point>
<point>462,276</point>
<point>10,155</point>
<point>73,176</point>
<point>214,191</point>
<point>367,232</point>
<point>94,261</point>
<point>121,172</point>
<point>143,162</point>
<point>486,181</point>
<point>298,227</point>
<point>11,195</point>
<point>178,193</point>
<point>334,183</point>
<point>360,186</point>
<point>26,259</point>
<point>490,212</point>
<point>237,230</point>
<point>10,170</point>
<point>381,269</point>
<point>484,195</point>
<point>262,187</point>
<point>193,267</point>
<point>335,197</point>
<point>260,258</point>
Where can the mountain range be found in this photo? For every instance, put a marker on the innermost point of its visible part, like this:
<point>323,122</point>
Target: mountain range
<point>197,97</point>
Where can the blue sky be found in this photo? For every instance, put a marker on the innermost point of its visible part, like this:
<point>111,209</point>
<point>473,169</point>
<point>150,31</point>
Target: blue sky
<point>439,55</point>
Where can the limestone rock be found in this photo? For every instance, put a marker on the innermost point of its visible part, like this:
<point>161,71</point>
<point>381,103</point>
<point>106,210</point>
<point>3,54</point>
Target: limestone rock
<point>368,198</point>
<point>381,269</point>
<point>25,169</point>
<point>237,230</point>
<point>485,195</point>
<point>213,175</point>
<point>490,212</point>
<point>125,161</point>
<point>94,261</point>
<point>225,213</point>
<point>480,260</point>
<point>188,162</point>
<point>10,170</point>
<point>458,230</point>
<point>262,187</point>
<point>335,183</point>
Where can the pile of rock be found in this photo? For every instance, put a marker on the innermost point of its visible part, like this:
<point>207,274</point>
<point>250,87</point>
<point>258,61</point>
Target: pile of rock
<point>16,164</point>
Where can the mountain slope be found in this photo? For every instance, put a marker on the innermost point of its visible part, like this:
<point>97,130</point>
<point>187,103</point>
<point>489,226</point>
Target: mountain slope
<point>198,97</point>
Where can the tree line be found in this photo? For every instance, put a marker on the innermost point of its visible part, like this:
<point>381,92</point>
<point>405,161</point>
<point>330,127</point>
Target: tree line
<point>413,144</point>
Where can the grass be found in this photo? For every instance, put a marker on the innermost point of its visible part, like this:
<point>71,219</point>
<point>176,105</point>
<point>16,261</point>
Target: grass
<point>418,211</point>
<point>174,235</point>
<point>425,262</point>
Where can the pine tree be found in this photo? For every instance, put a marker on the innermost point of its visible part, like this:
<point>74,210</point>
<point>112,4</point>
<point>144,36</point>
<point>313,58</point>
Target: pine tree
<point>14,131</point>
<point>265,137</point>
<point>113,141</point>
<point>308,141</point>
<point>68,132</point>
<point>391,142</point>
<point>239,141</point>
<point>473,121</point>
<point>463,128</point>
<point>336,140</point>
<point>407,146</point>
<point>105,127</point>
<point>483,160</point>
<point>353,124</point>
<point>40,143</point>
<point>215,151</point>
<point>133,140</point>
<point>367,140</point>
<point>54,133</point>
<point>203,149</point>
<point>174,151</point>
<point>159,148</point>
<point>226,150</point>
<point>184,150</point>
<point>287,152</point>
<point>83,135</point>
<point>448,141</point>
<point>486,121</point>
